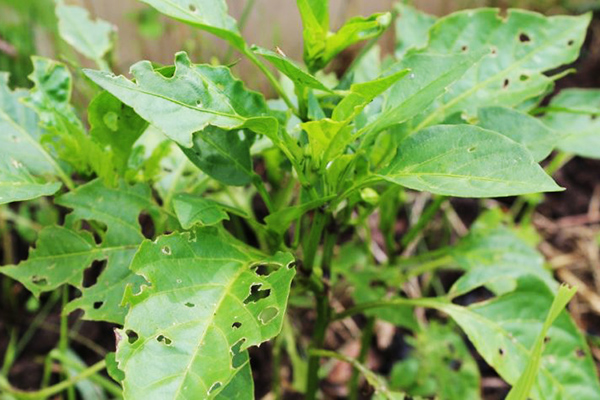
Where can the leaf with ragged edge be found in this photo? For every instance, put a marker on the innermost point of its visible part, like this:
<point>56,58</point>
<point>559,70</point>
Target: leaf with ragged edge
<point>466,161</point>
<point>519,47</point>
<point>440,364</point>
<point>209,15</point>
<point>193,210</point>
<point>575,113</point>
<point>430,77</point>
<point>362,94</point>
<point>504,328</point>
<point>116,126</point>
<point>412,28</point>
<point>223,155</point>
<point>90,38</point>
<point>62,254</point>
<point>520,127</point>
<point>194,97</point>
<point>212,305</point>
<point>290,69</point>
<point>493,255</point>
<point>17,184</point>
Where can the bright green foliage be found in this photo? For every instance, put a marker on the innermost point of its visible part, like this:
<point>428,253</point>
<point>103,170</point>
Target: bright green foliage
<point>439,364</point>
<point>205,301</point>
<point>196,96</point>
<point>573,114</point>
<point>90,38</point>
<point>17,184</point>
<point>192,210</point>
<point>466,161</point>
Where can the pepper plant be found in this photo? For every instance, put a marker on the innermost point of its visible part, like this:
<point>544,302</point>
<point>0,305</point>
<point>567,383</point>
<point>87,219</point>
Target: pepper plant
<point>253,210</point>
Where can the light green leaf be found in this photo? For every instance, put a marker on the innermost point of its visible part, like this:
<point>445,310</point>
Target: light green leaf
<point>63,254</point>
<point>241,386</point>
<point>521,390</point>
<point>327,139</point>
<point>466,161</point>
<point>209,15</point>
<point>193,210</point>
<point>290,69</point>
<point>520,127</point>
<point>412,28</point>
<point>431,76</point>
<point>205,300</point>
<point>17,184</point>
<point>194,97</point>
<point>575,113</point>
<point>504,328</point>
<point>440,364</point>
<point>362,94</point>
<point>519,47</point>
<point>90,38</point>
<point>223,155</point>
<point>315,22</point>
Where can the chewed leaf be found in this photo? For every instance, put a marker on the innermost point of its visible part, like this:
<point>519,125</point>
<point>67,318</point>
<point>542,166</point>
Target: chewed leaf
<point>192,210</point>
<point>16,184</point>
<point>205,296</point>
<point>466,161</point>
<point>193,98</point>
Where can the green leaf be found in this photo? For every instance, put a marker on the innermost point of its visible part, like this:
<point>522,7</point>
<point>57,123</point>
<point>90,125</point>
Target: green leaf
<point>205,300</point>
<point>90,38</point>
<point>411,26</point>
<point>281,220</point>
<point>63,254</point>
<point>290,69</point>
<point>193,210</point>
<point>193,98</point>
<point>116,126</point>
<point>362,94</point>
<point>504,328</point>
<point>431,76</point>
<point>519,47</point>
<point>209,15</point>
<point>521,390</point>
<point>440,364</point>
<point>315,22</point>
<point>520,127</point>
<point>327,139</point>
<point>17,184</point>
<point>223,155</point>
<point>466,161</point>
<point>241,386</point>
<point>575,114</point>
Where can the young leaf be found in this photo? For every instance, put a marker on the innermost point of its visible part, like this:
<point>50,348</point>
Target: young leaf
<point>194,210</point>
<point>327,139</point>
<point>520,127</point>
<point>212,305</point>
<point>519,47</point>
<point>504,328</point>
<point>290,69</point>
<point>17,184</point>
<point>90,38</point>
<point>466,161</point>
<point>576,113</point>
<point>412,28</point>
<point>194,97</point>
<point>315,22</point>
<point>223,155</point>
<point>521,390</point>
<point>209,15</point>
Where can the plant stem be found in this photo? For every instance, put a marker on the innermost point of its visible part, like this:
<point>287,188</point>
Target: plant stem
<point>365,344</point>
<point>558,162</point>
<point>52,390</point>
<point>312,243</point>
<point>427,215</point>
<point>429,266</point>
<point>421,302</point>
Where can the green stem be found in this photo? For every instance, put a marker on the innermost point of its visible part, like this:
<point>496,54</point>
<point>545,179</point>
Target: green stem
<point>52,390</point>
<point>358,309</point>
<point>558,162</point>
<point>429,266</point>
<point>262,191</point>
<point>365,344</point>
<point>427,215</point>
<point>312,243</point>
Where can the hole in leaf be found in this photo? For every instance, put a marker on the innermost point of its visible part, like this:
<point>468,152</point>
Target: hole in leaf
<point>192,8</point>
<point>98,304</point>
<point>501,351</point>
<point>494,51</point>
<point>164,340</point>
<point>523,78</point>
<point>90,275</point>
<point>455,364</point>
<point>580,353</point>
<point>238,357</point>
<point>546,339</point>
<point>377,283</point>
<point>471,149</point>
<point>147,225</point>
<point>570,42</point>
<point>132,336</point>
<point>268,314</point>
<point>199,103</point>
<point>506,83</point>
<point>524,38</point>
<point>214,387</point>
<point>256,294</point>
<point>166,250</point>
<point>190,305</point>
<point>236,325</point>
<point>262,270</point>
<point>38,280</point>
<point>465,48</point>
